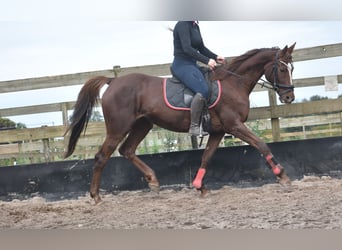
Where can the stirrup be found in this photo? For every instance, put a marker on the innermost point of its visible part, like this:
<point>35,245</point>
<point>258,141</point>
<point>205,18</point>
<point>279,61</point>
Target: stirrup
<point>197,131</point>
<point>203,133</point>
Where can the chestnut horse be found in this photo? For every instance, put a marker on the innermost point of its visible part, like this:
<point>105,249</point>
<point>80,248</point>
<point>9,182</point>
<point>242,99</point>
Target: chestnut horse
<point>133,103</point>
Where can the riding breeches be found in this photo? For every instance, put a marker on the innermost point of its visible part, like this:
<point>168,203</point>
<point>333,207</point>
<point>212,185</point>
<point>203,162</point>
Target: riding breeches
<point>190,74</point>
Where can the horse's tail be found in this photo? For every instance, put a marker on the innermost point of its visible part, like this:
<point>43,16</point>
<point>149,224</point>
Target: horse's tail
<point>87,98</point>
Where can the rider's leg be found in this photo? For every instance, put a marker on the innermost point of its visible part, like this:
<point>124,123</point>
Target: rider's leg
<point>197,105</point>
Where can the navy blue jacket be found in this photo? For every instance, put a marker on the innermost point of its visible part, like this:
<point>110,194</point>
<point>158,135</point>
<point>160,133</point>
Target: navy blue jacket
<point>188,43</point>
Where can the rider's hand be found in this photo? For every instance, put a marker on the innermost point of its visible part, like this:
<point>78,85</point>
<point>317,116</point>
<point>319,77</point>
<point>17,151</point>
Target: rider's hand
<point>212,64</point>
<point>220,59</point>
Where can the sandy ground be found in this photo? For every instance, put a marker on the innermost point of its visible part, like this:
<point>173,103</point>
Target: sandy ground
<point>312,202</point>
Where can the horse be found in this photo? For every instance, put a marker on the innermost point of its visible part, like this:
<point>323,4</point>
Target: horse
<point>133,103</point>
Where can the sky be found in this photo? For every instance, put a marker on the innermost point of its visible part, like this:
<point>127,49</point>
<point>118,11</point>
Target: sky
<point>41,39</point>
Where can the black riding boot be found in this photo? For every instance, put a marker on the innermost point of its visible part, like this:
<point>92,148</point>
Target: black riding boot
<point>197,105</point>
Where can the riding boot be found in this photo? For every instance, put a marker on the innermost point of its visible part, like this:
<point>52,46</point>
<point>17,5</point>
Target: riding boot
<point>197,105</point>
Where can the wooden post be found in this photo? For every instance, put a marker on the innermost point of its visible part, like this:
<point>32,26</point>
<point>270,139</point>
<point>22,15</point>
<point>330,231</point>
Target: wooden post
<point>65,114</point>
<point>340,123</point>
<point>274,120</point>
<point>194,142</point>
<point>46,150</point>
<point>65,123</point>
<point>116,70</point>
<point>304,132</point>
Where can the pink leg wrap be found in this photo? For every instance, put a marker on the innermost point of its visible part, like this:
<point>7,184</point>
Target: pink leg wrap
<point>197,183</point>
<point>273,164</point>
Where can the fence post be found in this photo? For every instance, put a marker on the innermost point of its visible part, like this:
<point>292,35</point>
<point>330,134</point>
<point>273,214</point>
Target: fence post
<point>65,114</point>
<point>64,109</point>
<point>274,120</point>
<point>46,150</point>
<point>341,123</point>
<point>194,142</point>
<point>116,70</point>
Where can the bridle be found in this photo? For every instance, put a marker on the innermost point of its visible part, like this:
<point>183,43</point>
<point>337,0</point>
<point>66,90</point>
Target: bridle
<point>275,85</point>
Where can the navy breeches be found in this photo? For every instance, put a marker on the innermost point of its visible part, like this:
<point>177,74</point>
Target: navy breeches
<point>189,73</point>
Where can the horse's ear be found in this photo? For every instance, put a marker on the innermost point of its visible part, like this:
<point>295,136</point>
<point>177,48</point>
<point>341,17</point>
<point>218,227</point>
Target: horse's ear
<point>290,50</point>
<point>283,51</point>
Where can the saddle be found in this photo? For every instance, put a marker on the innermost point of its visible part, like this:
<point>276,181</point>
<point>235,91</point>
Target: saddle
<point>177,96</point>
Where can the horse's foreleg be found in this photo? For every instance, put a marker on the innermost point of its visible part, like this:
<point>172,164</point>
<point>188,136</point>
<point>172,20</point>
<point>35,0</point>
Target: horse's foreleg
<point>128,148</point>
<point>242,132</point>
<point>101,159</point>
<point>212,144</point>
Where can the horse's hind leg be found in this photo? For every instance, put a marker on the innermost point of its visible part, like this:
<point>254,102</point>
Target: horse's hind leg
<point>128,148</point>
<point>101,159</point>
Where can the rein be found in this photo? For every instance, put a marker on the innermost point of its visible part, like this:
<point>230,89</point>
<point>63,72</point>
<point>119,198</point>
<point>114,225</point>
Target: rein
<point>267,84</point>
<point>264,83</point>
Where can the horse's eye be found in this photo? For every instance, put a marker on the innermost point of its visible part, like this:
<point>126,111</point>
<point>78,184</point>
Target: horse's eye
<point>282,70</point>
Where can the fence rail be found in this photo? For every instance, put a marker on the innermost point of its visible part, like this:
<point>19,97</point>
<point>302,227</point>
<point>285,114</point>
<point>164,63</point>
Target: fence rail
<point>47,143</point>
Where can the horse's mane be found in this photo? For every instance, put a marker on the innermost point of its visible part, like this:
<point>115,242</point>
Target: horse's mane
<point>237,61</point>
<point>232,66</point>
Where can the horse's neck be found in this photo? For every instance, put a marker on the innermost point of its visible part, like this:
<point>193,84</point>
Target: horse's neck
<point>253,69</point>
<point>247,78</point>
<point>253,75</point>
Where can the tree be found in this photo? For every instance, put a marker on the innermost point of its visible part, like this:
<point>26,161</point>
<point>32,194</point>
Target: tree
<point>21,125</point>
<point>96,116</point>
<point>6,123</point>
<point>315,98</point>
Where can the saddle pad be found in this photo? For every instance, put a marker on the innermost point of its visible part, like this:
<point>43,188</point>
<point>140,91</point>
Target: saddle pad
<point>178,96</point>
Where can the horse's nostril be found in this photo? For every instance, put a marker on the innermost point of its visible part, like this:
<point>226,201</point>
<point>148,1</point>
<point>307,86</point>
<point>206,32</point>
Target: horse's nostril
<point>288,99</point>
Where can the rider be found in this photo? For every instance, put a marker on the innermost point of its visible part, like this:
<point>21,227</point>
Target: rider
<point>188,49</point>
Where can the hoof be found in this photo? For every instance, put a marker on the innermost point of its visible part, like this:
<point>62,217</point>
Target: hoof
<point>97,199</point>
<point>204,191</point>
<point>154,187</point>
<point>284,180</point>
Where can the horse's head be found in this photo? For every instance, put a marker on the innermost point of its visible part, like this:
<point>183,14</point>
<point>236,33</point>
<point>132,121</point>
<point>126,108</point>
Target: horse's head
<point>279,73</point>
